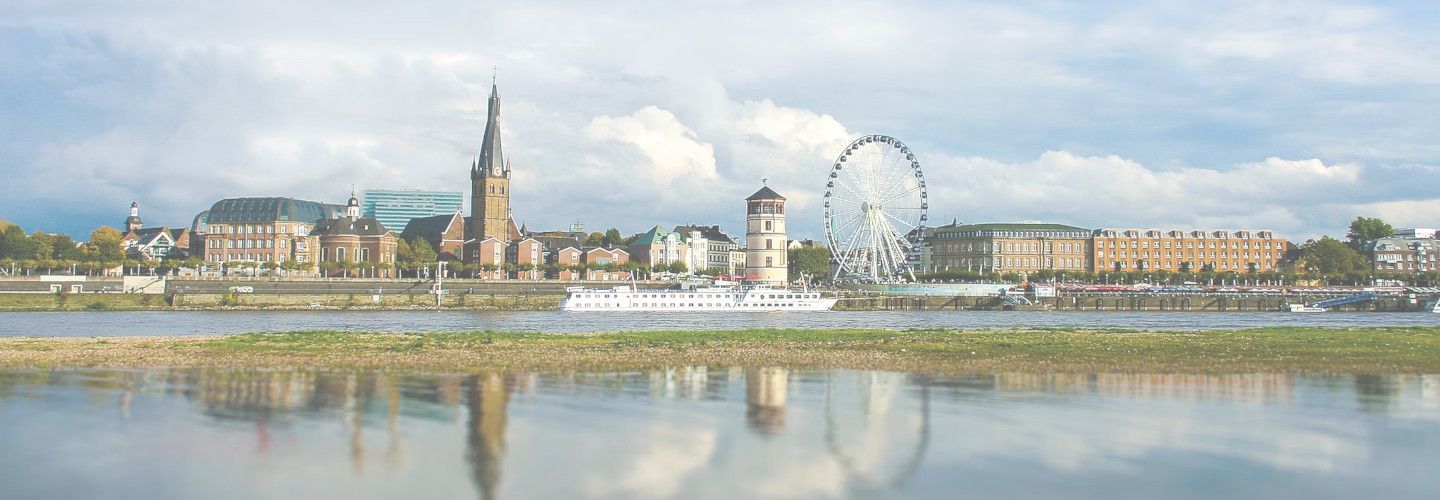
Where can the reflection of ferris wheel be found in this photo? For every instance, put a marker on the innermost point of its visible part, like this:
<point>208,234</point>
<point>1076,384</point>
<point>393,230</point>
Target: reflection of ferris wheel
<point>875,211</point>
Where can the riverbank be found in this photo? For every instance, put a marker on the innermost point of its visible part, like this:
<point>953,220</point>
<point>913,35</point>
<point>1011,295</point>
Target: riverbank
<point>512,300</point>
<point>1267,350</point>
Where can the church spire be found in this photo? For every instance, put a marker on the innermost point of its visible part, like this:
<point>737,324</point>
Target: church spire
<point>491,161</point>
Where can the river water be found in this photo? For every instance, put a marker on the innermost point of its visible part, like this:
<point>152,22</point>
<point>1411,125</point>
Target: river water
<point>117,323</point>
<point>714,432</point>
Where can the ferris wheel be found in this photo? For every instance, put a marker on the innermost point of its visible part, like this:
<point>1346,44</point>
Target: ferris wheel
<point>875,211</point>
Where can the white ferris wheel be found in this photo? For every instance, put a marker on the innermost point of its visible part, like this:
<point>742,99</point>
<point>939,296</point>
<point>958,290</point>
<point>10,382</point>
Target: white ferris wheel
<point>875,211</point>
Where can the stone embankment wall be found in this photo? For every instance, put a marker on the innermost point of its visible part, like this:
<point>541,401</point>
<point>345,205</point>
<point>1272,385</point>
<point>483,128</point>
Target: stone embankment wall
<point>454,300</point>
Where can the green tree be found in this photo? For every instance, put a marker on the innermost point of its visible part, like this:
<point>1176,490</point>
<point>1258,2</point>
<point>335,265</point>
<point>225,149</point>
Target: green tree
<point>421,254</point>
<point>677,267</point>
<point>1329,255</point>
<point>595,239</point>
<point>811,261</point>
<point>14,244</point>
<point>613,238</point>
<point>105,246</point>
<point>1365,230</point>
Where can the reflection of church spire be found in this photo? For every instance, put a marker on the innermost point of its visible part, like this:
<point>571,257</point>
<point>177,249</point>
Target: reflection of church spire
<point>765,390</point>
<point>487,402</point>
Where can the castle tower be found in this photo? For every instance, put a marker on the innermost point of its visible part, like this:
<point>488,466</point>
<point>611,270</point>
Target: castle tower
<point>133,221</point>
<point>490,182</point>
<point>765,243</point>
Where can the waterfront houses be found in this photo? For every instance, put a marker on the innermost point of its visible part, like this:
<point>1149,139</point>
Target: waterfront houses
<point>1405,254</point>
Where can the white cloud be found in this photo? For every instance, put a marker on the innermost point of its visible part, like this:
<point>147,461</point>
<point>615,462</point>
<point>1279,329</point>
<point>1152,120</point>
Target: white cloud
<point>635,115</point>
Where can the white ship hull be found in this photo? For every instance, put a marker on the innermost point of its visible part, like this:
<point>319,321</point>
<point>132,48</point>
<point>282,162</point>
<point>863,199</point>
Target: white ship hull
<point>757,299</point>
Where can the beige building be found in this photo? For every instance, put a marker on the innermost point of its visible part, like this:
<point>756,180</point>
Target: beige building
<point>765,242</point>
<point>262,230</point>
<point>1177,250</point>
<point>1013,247</point>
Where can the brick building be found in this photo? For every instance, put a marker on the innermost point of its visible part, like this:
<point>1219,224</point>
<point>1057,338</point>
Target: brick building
<point>1187,250</point>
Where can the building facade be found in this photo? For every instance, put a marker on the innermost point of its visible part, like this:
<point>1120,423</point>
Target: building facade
<point>444,233</point>
<point>1187,250</point>
<point>1013,247</point>
<point>153,243</point>
<point>362,245</point>
<point>395,208</point>
<point>1400,254</point>
<point>490,182</point>
<point>262,230</point>
<point>766,251</point>
<point>658,247</point>
<point>709,247</point>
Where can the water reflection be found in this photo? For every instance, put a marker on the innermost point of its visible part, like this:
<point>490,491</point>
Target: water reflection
<point>691,431</point>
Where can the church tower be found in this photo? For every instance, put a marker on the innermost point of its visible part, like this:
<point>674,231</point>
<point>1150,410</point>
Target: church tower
<point>490,182</point>
<point>133,221</point>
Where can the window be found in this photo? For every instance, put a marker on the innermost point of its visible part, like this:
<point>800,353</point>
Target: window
<point>768,227</point>
<point>769,261</point>
<point>769,246</point>
<point>340,254</point>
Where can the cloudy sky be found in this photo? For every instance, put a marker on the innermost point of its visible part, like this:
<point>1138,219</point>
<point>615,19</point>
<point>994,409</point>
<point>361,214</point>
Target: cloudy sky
<point>1290,115</point>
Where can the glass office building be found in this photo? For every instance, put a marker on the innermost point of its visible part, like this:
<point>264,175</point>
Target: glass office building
<point>394,209</point>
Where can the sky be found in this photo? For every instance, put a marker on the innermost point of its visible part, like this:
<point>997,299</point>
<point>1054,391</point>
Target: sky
<point>1295,116</point>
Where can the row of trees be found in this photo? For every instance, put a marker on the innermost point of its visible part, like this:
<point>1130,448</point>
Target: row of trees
<point>51,252</point>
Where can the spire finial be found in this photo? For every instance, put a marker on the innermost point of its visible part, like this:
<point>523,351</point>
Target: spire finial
<point>765,182</point>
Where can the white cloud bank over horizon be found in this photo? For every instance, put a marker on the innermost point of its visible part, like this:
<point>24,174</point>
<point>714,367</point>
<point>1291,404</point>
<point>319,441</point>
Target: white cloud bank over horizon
<point>1289,116</point>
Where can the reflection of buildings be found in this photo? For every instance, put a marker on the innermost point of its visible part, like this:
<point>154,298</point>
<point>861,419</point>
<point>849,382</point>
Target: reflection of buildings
<point>765,390</point>
<point>485,443</point>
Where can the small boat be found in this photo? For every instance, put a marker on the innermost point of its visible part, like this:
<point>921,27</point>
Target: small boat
<point>708,298</point>
<point>1435,306</point>
<point>1302,308</point>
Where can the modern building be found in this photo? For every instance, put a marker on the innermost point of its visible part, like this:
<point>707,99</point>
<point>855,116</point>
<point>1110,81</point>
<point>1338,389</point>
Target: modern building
<point>765,241</point>
<point>362,243</point>
<point>261,230</point>
<point>490,182</point>
<point>1193,250</point>
<point>395,208</point>
<point>1007,247</point>
<point>1405,254</point>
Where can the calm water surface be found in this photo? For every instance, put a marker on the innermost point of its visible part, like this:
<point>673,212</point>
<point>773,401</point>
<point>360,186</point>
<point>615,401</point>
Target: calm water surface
<point>228,322</point>
<point>714,432</point>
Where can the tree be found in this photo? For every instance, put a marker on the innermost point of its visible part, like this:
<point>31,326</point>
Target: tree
<point>595,239</point>
<point>811,261</point>
<point>104,245</point>
<point>421,254</point>
<point>1329,255</point>
<point>1365,230</point>
<point>14,244</point>
<point>613,238</point>
<point>677,267</point>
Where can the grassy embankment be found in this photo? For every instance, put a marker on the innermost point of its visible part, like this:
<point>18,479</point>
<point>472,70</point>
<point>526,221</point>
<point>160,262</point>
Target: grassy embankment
<point>1296,350</point>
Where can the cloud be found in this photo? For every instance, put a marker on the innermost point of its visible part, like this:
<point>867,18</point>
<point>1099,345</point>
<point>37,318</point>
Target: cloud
<point>632,115</point>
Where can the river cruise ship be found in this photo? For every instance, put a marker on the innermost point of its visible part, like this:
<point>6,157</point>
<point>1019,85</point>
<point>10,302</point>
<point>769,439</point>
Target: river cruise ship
<point>708,298</point>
